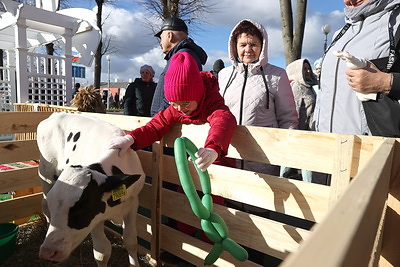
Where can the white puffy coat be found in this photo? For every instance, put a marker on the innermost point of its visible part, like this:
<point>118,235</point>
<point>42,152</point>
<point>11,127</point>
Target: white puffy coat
<point>246,93</point>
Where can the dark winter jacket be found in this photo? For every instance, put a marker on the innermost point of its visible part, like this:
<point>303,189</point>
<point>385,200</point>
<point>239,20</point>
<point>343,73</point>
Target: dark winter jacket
<point>188,45</point>
<point>138,98</point>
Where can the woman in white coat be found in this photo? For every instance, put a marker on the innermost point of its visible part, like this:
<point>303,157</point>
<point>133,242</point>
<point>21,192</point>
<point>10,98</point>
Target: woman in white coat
<point>257,93</point>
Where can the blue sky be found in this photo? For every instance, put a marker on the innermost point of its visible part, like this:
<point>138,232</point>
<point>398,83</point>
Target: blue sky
<point>136,45</point>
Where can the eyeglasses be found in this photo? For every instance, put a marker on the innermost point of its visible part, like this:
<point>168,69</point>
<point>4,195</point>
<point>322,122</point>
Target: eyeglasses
<point>182,104</point>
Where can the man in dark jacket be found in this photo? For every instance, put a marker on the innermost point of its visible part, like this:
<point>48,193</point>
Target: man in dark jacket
<point>174,38</point>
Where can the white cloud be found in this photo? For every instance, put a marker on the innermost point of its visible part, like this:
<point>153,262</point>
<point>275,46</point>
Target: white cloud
<point>231,12</point>
<point>136,45</point>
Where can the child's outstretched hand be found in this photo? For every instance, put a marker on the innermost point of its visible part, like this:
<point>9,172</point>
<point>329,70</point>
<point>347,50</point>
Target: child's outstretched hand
<point>205,157</point>
<point>123,143</point>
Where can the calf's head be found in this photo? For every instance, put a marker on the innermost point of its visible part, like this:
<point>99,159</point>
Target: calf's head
<point>79,201</point>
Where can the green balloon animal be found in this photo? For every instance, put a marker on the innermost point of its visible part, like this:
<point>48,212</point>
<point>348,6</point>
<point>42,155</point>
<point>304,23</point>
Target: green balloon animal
<point>212,224</point>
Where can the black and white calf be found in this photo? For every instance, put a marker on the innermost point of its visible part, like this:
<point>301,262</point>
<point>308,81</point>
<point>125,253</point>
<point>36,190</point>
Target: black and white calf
<point>85,183</point>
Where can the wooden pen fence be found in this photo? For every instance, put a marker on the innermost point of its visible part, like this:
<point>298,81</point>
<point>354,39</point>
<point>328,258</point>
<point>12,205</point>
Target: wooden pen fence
<point>355,218</point>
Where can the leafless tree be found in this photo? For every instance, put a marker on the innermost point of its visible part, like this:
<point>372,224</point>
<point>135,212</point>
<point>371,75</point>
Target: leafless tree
<point>192,11</point>
<point>293,36</point>
<point>105,45</point>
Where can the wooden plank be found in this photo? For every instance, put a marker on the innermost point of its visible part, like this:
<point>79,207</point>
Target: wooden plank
<point>263,144</point>
<point>145,159</point>
<point>296,198</point>
<point>157,178</point>
<point>269,237</point>
<point>143,225</point>
<point>19,179</point>
<point>350,228</point>
<point>21,122</point>
<point>17,208</point>
<point>376,251</point>
<point>194,250</point>
<point>25,107</point>
<point>16,151</point>
<point>26,192</point>
<point>390,255</point>
<point>145,199</point>
<point>343,160</point>
<point>54,108</point>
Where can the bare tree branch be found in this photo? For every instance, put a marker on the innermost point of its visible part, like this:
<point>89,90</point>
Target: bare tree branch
<point>191,11</point>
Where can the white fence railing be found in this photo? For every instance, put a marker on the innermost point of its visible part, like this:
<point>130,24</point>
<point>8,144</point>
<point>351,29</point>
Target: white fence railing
<point>5,89</point>
<point>47,80</point>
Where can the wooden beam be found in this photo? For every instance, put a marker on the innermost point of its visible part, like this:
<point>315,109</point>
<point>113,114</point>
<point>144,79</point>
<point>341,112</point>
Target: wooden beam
<point>264,235</point>
<point>390,255</point>
<point>157,163</point>
<point>17,151</point>
<point>296,198</point>
<point>194,250</point>
<point>21,122</point>
<point>347,235</point>
<point>342,164</point>
<point>20,207</point>
<point>18,179</point>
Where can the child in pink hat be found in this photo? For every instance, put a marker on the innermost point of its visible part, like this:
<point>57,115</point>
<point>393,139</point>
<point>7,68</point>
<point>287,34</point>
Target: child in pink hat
<point>194,99</point>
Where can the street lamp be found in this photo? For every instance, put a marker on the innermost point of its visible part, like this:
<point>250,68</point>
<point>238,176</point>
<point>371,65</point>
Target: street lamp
<point>326,29</point>
<point>108,57</point>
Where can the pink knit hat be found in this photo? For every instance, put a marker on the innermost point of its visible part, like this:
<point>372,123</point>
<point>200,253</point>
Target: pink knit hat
<point>182,81</point>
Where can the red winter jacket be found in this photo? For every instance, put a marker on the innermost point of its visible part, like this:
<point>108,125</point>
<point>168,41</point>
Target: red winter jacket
<point>212,110</point>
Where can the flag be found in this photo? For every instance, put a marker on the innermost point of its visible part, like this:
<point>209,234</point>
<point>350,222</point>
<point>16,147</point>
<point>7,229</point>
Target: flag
<point>75,59</point>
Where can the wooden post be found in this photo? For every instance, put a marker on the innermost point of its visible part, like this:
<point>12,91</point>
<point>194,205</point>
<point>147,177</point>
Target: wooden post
<point>343,159</point>
<point>390,255</point>
<point>156,185</point>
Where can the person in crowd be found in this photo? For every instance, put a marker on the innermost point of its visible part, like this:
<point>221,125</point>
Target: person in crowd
<point>110,100</point>
<point>257,92</point>
<point>104,96</point>
<point>75,90</point>
<point>317,66</point>
<point>174,38</point>
<point>317,72</point>
<point>217,67</point>
<point>116,100</point>
<point>302,80</point>
<point>139,94</point>
<point>338,109</point>
<point>193,97</point>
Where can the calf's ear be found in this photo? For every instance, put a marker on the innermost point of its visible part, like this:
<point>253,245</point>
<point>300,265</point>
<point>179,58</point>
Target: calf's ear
<point>115,181</point>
